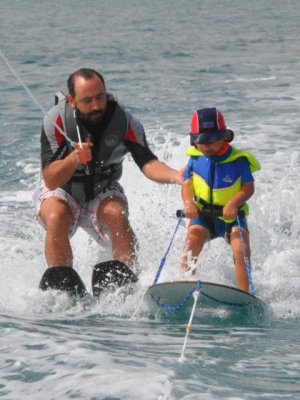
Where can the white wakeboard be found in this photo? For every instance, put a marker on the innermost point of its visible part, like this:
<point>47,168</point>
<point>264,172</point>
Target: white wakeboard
<point>173,296</point>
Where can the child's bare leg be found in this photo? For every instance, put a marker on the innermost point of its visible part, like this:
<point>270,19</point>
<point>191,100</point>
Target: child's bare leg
<point>196,237</point>
<point>241,276</point>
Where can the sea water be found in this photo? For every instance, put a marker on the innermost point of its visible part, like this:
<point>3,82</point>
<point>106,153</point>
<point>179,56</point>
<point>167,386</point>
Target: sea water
<point>162,60</point>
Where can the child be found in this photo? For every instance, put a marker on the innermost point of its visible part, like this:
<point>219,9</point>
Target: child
<point>218,177</point>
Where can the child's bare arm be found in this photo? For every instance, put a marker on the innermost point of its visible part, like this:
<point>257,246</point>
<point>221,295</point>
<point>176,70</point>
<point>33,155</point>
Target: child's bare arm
<point>230,210</point>
<point>187,193</point>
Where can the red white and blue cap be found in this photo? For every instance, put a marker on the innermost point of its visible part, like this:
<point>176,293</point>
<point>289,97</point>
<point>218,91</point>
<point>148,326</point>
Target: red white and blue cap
<point>208,126</point>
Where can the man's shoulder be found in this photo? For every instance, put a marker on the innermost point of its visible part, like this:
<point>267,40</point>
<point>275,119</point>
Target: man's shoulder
<point>131,118</point>
<point>53,118</point>
<point>53,113</point>
<point>134,125</point>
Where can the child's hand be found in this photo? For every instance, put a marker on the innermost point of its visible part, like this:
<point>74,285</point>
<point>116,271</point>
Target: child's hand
<point>190,210</point>
<point>230,211</point>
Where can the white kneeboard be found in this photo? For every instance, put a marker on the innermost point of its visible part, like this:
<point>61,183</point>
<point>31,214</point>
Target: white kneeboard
<point>173,296</point>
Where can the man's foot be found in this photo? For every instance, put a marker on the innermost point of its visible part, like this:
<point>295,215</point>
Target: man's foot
<point>111,274</point>
<point>63,278</point>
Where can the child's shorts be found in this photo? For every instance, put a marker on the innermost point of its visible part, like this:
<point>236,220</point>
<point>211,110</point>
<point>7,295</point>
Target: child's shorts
<point>217,227</point>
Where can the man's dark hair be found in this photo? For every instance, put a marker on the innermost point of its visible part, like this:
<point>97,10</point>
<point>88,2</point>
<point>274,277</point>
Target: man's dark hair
<point>85,73</point>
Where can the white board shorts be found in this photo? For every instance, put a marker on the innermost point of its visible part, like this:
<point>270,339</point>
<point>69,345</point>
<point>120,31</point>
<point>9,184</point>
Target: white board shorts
<point>84,213</point>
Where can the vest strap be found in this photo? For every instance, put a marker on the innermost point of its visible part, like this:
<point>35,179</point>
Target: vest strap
<point>208,206</point>
<point>105,174</point>
<point>212,207</point>
<point>91,189</point>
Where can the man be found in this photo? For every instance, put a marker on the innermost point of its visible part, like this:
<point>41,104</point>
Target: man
<point>80,185</point>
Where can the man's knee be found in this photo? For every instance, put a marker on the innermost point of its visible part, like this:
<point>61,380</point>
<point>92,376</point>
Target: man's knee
<point>56,215</point>
<point>112,209</point>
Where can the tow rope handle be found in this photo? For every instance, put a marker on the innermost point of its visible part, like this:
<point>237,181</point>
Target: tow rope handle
<point>209,213</point>
<point>82,153</point>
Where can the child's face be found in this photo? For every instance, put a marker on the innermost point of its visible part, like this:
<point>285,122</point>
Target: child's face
<point>211,149</point>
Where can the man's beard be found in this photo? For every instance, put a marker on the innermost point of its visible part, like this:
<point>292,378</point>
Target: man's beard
<point>93,118</point>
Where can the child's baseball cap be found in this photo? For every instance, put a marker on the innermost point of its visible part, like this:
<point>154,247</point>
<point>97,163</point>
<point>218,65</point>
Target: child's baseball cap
<point>208,126</point>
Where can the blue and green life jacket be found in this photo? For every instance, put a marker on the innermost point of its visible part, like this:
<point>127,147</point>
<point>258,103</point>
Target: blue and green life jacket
<point>215,183</point>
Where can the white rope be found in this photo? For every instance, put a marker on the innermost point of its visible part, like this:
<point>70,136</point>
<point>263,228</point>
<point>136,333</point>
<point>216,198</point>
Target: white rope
<point>189,326</point>
<point>33,98</point>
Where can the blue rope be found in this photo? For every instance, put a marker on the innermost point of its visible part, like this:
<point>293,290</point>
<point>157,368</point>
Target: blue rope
<point>163,260</point>
<point>180,305</point>
<point>247,261</point>
<point>226,303</point>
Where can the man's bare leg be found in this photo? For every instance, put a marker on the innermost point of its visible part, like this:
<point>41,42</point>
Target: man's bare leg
<point>112,213</point>
<point>58,219</point>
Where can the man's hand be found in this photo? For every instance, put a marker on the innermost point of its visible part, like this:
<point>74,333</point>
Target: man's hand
<point>178,178</point>
<point>160,172</point>
<point>83,152</point>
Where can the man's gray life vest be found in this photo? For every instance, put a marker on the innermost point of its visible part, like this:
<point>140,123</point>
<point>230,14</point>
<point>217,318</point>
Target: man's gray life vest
<point>106,165</point>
